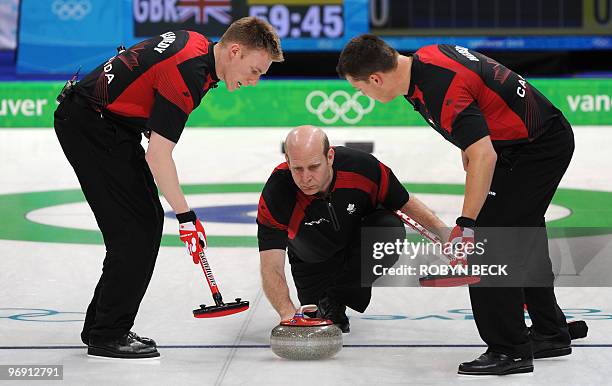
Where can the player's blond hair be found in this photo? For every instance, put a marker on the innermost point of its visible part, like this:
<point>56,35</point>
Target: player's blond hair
<point>254,33</point>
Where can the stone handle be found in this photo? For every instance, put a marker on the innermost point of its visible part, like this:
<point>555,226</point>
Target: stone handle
<point>306,308</point>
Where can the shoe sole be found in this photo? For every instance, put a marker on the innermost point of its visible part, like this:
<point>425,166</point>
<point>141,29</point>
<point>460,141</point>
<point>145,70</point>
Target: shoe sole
<point>143,360</point>
<point>552,353</point>
<point>99,352</point>
<point>516,370</point>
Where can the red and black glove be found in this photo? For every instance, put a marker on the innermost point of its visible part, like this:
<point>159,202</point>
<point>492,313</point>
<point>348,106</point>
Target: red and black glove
<point>462,239</point>
<point>191,232</point>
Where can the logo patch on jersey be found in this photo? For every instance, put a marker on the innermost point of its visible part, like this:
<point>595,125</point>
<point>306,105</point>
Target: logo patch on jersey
<point>350,208</point>
<point>316,222</point>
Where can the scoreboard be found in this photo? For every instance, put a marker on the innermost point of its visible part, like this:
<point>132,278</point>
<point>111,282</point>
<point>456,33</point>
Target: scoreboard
<point>326,25</point>
<point>300,19</point>
<point>409,24</point>
<point>309,25</point>
<point>522,24</point>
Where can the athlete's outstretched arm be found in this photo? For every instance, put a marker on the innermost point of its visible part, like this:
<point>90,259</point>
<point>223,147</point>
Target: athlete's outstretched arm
<point>274,282</point>
<point>161,163</point>
<point>416,209</point>
<point>481,159</point>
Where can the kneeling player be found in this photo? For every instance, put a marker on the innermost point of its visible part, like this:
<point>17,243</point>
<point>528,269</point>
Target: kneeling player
<point>314,206</point>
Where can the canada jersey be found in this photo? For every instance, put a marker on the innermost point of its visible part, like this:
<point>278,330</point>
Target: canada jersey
<point>155,84</point>
<point>318,227</point>
<point>466,96</point>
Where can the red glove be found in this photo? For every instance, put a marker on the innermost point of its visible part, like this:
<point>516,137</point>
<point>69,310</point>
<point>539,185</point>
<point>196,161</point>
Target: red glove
<point>191,232</point>
<point>462,239</point>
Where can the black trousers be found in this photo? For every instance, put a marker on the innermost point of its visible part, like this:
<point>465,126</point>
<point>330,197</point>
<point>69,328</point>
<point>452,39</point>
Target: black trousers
<point>524,182</point>
<point>119,187</point>
<point>340,277</point>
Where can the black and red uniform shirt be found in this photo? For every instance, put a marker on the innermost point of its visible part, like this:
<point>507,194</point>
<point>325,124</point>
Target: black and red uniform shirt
<point>466,96</point>
<point>155,84</point>
<point>318,227</point>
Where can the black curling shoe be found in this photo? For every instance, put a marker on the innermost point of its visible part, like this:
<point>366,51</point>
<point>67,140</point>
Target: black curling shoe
<point>492,363</point>
<point>545,347</point>
<point>549,349</point>
<point>142,339</point>
<point>125,347</point>
<point>329,309</point>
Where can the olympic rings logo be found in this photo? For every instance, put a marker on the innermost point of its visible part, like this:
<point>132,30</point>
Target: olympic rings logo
<point>71,9</point>
<point>341,104</point>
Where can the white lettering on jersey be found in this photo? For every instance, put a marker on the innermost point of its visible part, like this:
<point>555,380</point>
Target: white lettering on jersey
<point>464,51</point>
<point>167,39</point>
<point>108,66</point>
<point>520,90</point>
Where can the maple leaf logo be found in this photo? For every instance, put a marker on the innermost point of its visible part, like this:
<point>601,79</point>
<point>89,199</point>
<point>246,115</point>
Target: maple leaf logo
<point>129,57</point>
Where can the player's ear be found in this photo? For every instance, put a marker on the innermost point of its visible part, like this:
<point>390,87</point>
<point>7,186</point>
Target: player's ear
<point>331,153</point>
<point>376,78</point>
<point>234,50</point>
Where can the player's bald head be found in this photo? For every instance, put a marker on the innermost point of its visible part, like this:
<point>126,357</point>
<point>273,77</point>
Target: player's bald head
<point>306,139</point>
<point>310,159</point>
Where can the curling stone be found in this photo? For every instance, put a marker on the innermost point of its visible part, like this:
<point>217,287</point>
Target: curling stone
<point>301,338</point>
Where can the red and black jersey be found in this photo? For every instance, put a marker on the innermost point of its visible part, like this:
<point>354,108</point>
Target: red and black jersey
<point>466,96</point>
<point>318,227</point>
<point>155,84</point>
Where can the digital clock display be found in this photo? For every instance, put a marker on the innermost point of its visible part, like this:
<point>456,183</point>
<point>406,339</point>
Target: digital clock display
<point>301,18</point>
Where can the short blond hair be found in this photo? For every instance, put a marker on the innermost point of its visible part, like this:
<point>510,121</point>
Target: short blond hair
<point>254,33</point>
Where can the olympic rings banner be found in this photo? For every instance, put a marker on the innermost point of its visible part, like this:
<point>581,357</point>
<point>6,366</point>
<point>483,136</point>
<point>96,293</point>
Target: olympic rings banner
<point>297,102</point>
<point>59,36</point>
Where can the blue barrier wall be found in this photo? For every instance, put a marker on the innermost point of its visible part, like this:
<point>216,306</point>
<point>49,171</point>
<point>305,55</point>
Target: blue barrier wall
<point>58,36</point>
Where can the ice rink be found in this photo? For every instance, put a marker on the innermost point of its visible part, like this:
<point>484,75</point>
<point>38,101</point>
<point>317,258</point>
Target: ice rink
<point>51,258</point>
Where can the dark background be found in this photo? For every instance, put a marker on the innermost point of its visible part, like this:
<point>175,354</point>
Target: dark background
<point>534,64</point>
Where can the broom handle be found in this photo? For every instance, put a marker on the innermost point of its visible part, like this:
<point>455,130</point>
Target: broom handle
<point>210,279</point>
<point>423,231</point>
